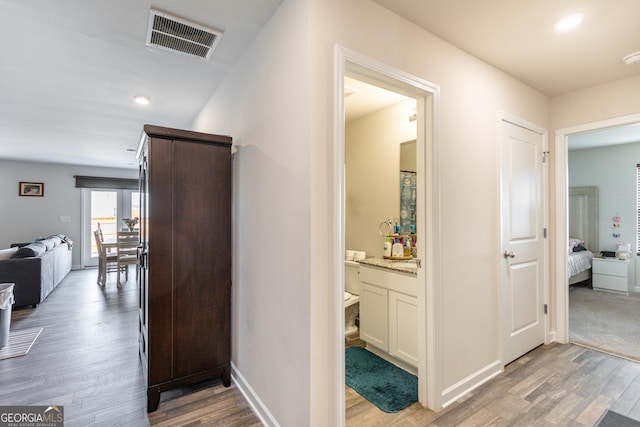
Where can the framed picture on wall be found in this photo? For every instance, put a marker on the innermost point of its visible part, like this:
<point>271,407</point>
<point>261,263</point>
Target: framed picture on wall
<point>31,189</point>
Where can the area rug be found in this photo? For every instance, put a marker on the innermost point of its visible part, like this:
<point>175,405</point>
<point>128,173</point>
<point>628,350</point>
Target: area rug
<point>380,382</point>
<point>20,343</point>
<point>613,419</point>
<point>605,321</point>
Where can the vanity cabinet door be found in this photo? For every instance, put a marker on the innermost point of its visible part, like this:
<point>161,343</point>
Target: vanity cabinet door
<point>403,327</point>
<point>374,317</point>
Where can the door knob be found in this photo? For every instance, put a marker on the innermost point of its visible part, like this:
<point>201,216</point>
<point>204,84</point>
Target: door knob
<point>509,254</point>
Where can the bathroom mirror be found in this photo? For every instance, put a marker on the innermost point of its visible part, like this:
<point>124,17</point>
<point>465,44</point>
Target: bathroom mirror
<point>408,187</point>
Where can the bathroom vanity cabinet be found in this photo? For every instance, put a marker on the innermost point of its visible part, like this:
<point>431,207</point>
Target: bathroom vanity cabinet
<point>389,312</point>
<point>185,261</point>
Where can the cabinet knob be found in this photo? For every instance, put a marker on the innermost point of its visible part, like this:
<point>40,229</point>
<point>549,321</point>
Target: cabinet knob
<point>509,254</point>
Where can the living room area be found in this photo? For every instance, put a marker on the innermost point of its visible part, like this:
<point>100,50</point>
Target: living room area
<point>86,356</point>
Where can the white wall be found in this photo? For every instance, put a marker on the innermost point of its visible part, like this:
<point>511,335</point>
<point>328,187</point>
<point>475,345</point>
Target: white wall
<point>607,101</point>
<point>472,94</point>
<point>372,169</point>
<point>25,218</point>
<point>613,171</point>
<point>264,105</point>
<point>278,105</point>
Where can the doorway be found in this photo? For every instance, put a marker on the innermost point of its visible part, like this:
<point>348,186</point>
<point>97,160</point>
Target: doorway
<point>561,215</point>
<point>104,209</point>
<point>425,94</point>
<point>602,170</point>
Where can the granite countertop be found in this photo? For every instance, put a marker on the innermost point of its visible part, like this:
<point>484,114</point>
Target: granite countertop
<point>402,266</point>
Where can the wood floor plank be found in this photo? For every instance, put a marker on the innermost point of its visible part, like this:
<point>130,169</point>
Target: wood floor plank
<point>554,385</point>
<point>86,359</point>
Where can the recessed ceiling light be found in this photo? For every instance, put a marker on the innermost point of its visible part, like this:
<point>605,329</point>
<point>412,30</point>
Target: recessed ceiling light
<point>141,99</point>
<point>632,58</point>
<point>569,22</point>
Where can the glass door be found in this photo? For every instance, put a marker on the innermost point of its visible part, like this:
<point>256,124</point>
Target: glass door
<point>104,209</point>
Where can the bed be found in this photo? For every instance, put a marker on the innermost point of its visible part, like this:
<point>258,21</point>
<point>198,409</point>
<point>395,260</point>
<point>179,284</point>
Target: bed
<point>583,232</point>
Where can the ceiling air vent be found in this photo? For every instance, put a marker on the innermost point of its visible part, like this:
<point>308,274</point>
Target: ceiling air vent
<point>175,34</point>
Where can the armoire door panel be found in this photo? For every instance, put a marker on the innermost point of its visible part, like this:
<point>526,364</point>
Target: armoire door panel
<point>160,263</point>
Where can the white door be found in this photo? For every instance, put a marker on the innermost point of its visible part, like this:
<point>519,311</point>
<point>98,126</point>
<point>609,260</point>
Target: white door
<point>523,250</point>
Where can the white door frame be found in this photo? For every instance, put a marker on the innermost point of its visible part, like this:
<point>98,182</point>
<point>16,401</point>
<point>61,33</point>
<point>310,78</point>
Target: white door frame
<point>562,219</point>
<point>427,96</point>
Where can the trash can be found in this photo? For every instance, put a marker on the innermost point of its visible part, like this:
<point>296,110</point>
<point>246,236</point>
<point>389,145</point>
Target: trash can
<point>6,300</point>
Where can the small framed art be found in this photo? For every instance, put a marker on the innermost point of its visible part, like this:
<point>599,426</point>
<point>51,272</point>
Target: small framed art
<point>31,189</point>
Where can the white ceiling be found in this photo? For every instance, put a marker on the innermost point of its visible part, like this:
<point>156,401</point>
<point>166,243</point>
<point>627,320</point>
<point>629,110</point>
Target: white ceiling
<point>70,68</point>
<point>362,98</point>
<point>518,37</point>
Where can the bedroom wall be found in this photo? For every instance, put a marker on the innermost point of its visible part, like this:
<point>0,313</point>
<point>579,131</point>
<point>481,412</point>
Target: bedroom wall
<point>25,218</point>
<point>613,171</point>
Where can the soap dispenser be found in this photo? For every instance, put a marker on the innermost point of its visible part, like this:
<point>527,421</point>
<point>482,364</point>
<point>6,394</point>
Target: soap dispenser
<point>387,248</point>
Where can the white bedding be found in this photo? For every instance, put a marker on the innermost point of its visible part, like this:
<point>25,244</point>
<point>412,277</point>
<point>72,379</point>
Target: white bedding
<point>579,262</point>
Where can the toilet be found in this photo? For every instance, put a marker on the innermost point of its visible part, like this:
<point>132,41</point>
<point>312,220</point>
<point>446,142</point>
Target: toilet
<point>352,288</point>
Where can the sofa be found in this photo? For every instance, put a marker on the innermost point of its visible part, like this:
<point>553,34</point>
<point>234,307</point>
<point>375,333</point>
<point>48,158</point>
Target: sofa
<point>36,268</point>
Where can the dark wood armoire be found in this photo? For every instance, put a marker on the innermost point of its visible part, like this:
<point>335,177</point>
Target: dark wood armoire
<point>185,258</point>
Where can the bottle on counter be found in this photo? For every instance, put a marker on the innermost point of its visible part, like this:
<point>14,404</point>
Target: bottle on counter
<point>387,247</point>
<point>397,250</point>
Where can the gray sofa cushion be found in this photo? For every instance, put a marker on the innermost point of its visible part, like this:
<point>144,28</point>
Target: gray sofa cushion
<point>31,250</point>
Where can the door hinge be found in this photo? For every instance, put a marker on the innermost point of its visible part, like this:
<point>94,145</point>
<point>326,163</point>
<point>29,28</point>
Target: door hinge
<point>545,154</point>
<point>544,232</point>
<point>546,309</point>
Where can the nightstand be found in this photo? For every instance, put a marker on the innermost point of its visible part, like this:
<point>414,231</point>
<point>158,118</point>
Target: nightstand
<point>611,274</point>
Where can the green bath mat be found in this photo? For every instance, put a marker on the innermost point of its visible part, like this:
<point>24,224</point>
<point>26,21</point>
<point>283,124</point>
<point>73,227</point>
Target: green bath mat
<point>380,382</point>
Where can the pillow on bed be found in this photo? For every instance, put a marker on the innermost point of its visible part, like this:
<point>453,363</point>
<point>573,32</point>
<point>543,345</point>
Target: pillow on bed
<point>573,242</point>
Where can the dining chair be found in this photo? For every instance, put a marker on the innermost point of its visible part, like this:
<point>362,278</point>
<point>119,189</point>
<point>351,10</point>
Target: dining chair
<point>107,262</point>
<point>127,254</point>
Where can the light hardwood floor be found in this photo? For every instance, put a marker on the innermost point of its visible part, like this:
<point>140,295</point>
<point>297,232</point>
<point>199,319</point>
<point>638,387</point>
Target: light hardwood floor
<point>86,359</point>
<point>554,385</point>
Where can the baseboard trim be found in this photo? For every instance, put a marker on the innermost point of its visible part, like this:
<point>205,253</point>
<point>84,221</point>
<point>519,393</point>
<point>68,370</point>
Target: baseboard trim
<point>473,381</point>
<point>256,404</point>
